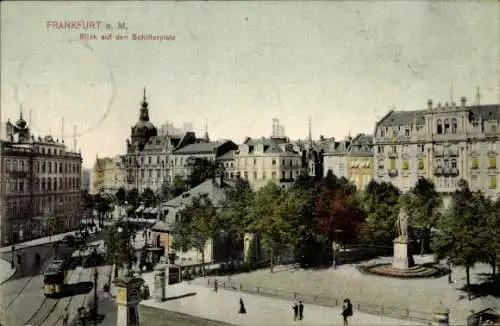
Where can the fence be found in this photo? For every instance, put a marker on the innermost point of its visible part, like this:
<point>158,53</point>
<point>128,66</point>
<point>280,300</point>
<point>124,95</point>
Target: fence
<point>382,310</point>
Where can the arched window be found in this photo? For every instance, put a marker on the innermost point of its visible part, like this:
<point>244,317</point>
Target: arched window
<point>454,163</point>
<point>439,163</point>
<point>446,126</point>
<point>439,127</point>
<point>454,125</point>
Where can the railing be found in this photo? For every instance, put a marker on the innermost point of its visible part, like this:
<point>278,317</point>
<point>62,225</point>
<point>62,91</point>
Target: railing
<point>382,310</point>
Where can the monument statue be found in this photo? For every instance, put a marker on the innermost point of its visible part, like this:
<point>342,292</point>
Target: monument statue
<point>402,223</point>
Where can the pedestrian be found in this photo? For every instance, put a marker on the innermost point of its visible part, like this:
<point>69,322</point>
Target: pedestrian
<point>242,307</point>
<point>65,319</point>
<point>348,309</point>
<point>301,310</point>
<point>215,286</point>
<point>344,314</point>
<point>295,308</point>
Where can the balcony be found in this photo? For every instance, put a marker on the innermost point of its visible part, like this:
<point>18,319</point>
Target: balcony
<point>492,171</point>
<point>451,152</point>
<point>438,171</point>
<point>393,173</point>
<point>392,154</point>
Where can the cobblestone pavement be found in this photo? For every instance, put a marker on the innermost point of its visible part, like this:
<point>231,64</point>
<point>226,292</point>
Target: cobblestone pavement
<point>347,282</point>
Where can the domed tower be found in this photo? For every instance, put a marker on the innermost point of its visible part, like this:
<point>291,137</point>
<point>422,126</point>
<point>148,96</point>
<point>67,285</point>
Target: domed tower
<point>143,129</point>
<point>22,130</point>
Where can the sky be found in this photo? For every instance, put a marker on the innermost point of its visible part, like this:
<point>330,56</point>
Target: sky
<point>238,65</point>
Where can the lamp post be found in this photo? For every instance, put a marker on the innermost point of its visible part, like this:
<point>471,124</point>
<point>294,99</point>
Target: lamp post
<point>96,276</point>
<point>13,249</point>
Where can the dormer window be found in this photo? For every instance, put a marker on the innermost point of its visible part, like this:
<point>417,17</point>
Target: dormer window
<point>439,127</point>
<point>454,125</point>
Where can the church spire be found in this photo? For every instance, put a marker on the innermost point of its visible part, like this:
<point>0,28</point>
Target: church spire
<point>310,134</point>
<point>205,137</point>
<point>144,112</point>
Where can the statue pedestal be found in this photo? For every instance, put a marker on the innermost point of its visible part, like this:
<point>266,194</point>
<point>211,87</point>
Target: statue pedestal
<point>403,259</point>
<point>128,297</point>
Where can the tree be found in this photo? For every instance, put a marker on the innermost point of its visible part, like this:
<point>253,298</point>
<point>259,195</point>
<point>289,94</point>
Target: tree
<point>133,197</point>
<point>121,195</point>
<point>268,218</point>
<point>118,244</point>
<point>490,239</point>
<point>201,170</point>
<point>336,208</point>
<point>422,204</point>
<point>198,223</point>
<point>236,208</point>
<point>380,203</point>
<point>458,235</point>
<point>179,185</point>
<point>148,197</point>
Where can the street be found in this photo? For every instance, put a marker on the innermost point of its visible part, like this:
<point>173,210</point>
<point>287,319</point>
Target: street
<point>22,299</point>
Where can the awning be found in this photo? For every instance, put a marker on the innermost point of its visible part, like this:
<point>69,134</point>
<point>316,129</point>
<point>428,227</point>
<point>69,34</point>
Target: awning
<point>139,209</point>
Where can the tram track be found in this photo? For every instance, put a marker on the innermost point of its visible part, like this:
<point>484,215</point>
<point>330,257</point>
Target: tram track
<point>30,279</point>
<point>47,306</point>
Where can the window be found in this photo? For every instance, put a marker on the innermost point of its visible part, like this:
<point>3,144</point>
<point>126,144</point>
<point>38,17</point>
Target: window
<point>382,133</point>
<point>283,162</point>
<point>454,125</point>
<point>492,163</point>
<point>421,164</point>
<point>60,168</point>
<point>493,182</point>
<point>392,164</point>
<point>446,126</point>
<point>245,175</point>
<point>21,185</point>
<point>274,162</point>
<point>254,162</point>
<point>22,165</point>
<point>475,163</point>
<point>263,175</point>
<point>291,162</point>
<point>150,160</point>
<point>43,184</point>
<point>283,175</point>
<point>49,184</point>
<point>393,149</point>
<point>439,164</point>
<point>273,175</point>
<point>379,149</point>
<point>454,164</point>
<point>255,175</point>
<point>439,127</point>
<point>407,132</point>
<point>142,160</point>
<point>157,160</point>
<point>406,165</point>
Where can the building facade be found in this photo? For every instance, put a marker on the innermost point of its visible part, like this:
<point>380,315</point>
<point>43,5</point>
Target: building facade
<point>260,161</point>
<point>227,161</point>
<point>443,143</point>
<point>40,188</point>
<point>146,161</point>
<point>335,158</point>
<point>360,161</point>
<point>210,151</point>
<point>107,175</point>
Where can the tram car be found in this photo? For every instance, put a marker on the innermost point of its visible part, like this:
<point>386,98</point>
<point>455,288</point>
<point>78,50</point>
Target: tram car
<point>53,278</point>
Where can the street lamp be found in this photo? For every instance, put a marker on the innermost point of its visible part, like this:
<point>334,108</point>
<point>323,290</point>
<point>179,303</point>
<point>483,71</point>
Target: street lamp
<point>13,249</point>
<point>96,276</point>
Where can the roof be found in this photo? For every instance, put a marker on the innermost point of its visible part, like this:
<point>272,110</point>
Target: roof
<point>340,148</point>
<point>399,118</point>
<point>198,148</point>
<point>227,156</point>
<point>210,188</point>
<point>361,145</point>
<point>271,145</point>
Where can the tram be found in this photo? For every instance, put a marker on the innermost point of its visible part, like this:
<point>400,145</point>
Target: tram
<point>53,278</point>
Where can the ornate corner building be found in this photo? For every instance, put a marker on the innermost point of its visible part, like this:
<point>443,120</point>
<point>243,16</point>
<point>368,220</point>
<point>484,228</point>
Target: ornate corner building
<point>40,180</point>
<point>443,143</point>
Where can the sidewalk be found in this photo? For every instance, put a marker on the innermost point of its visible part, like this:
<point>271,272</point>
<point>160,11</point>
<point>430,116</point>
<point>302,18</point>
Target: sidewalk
<point>223,306</point>
<point>5,271</point>
<point>39,241</point>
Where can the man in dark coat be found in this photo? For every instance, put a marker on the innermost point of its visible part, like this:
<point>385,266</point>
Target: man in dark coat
<point>301,310</point>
